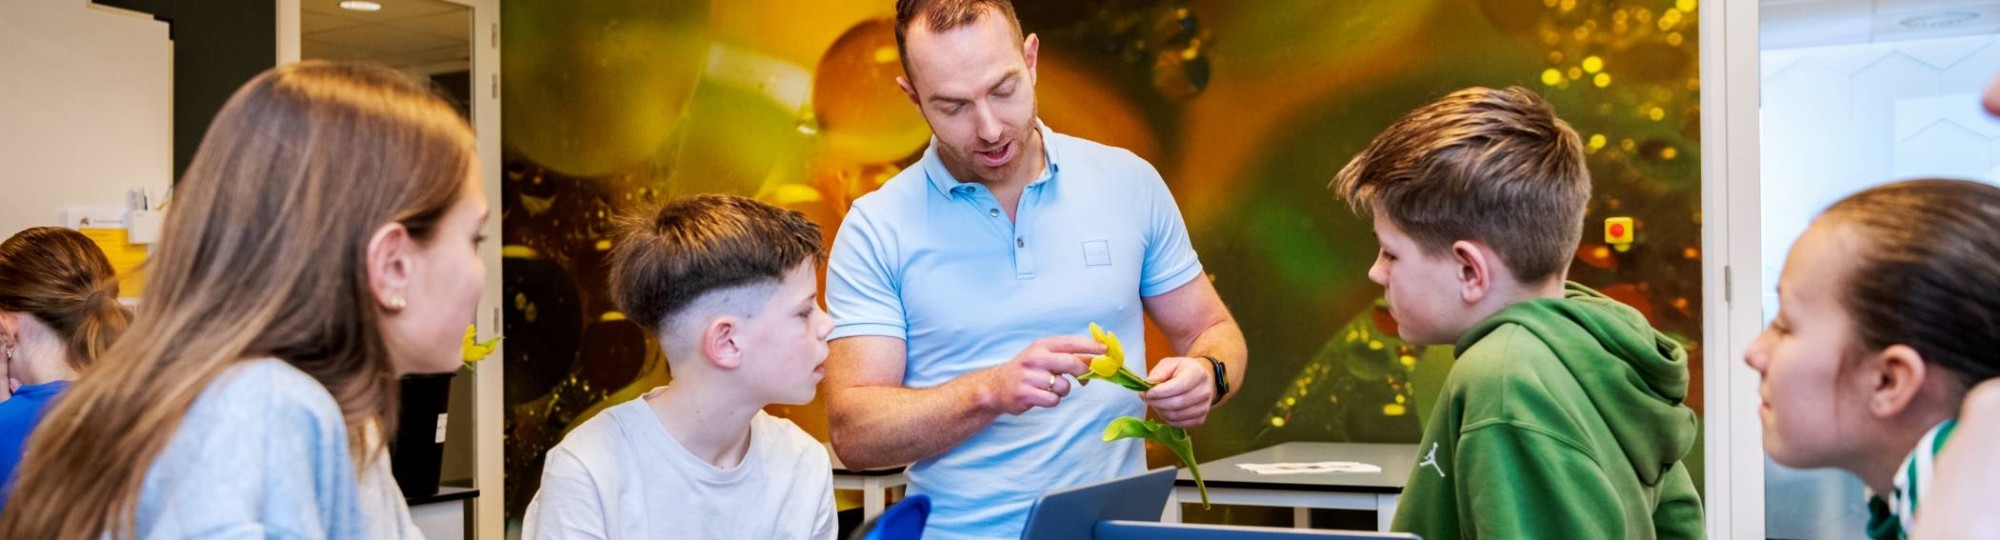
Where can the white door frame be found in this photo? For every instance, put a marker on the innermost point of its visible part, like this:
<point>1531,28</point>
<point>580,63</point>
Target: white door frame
<point>1732,281</point>
<point>489,463</point>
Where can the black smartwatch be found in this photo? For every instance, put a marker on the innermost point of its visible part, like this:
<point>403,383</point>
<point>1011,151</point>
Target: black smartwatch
<point>1221,379</point>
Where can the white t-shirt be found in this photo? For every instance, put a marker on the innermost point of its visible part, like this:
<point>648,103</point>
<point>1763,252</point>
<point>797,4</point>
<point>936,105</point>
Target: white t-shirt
<point>621,475</point>
<point>383,507</point>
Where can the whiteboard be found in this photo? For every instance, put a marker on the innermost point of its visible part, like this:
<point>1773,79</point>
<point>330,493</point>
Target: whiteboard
<point>86,108</point>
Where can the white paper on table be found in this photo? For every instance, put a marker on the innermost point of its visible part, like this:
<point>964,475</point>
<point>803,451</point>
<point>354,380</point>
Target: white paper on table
<point>1310,468</point>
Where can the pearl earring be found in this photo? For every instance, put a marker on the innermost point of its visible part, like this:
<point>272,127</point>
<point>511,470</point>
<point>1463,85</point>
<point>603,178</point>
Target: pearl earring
<point>398,303</point>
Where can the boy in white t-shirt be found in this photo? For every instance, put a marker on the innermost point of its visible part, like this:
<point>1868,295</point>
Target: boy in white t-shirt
<point>727,286</point>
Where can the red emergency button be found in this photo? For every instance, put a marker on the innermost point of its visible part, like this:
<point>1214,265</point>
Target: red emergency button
<point>1618,232</point>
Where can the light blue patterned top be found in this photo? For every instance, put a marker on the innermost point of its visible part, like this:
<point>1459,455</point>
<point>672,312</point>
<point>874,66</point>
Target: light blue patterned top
<point>263,454</point>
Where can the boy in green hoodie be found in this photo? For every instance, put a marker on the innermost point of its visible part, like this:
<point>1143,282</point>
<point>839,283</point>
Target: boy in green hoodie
<point>1562,417</point>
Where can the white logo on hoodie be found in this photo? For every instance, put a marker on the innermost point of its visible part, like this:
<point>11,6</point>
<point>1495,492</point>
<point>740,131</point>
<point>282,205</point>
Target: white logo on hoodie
<point>1431,459</point>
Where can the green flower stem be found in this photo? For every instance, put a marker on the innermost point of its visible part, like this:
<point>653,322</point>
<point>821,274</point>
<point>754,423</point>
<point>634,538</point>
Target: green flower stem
<point>1111,367</point>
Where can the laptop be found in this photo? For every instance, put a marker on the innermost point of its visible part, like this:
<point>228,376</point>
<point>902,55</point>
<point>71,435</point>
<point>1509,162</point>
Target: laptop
<point>1073,513</point>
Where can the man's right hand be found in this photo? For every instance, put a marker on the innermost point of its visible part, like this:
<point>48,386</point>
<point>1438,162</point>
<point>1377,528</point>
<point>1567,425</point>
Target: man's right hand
<point>1034,378</point>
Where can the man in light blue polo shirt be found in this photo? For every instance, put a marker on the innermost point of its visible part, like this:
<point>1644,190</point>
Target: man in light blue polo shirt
<point>963,289</point>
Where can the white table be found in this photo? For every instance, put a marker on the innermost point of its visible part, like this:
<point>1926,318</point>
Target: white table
<point>874,484</point>
<point>1229,484</point>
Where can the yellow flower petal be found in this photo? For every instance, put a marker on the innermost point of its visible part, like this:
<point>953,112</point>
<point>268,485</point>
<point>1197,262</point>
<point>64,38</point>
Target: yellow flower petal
<point>471,350</point>
<point>1112,347</point>
<point>1105,366</point>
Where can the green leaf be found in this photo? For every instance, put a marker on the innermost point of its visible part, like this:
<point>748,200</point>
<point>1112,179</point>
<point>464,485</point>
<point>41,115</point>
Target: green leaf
<point>1175,439</point>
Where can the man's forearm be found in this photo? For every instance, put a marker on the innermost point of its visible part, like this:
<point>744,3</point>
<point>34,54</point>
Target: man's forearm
<point>881,426</point>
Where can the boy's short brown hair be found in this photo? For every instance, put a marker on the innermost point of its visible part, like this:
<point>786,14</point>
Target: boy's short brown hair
<point>1496,166</point>
<point>666,259</point>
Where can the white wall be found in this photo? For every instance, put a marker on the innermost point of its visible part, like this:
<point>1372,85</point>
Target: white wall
<point>1838,119</point>
<point>85,108</point>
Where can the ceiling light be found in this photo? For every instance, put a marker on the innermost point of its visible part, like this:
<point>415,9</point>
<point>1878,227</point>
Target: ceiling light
<point>360,5</point>
<point>1940,20</point>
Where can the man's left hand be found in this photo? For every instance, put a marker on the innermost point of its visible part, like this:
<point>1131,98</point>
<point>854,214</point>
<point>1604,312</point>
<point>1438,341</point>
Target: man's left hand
<point>1183,389</point>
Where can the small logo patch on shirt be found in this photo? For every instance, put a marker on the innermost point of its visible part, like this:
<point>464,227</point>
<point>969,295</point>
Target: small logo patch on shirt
<point>1431,460</point>
<point>1097,253</point>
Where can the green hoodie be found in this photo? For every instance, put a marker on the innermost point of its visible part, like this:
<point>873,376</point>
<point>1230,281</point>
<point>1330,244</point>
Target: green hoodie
<point>1560,419</point>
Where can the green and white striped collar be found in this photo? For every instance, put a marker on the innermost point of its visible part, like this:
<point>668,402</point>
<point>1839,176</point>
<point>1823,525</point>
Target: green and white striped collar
<point>1893,517</point>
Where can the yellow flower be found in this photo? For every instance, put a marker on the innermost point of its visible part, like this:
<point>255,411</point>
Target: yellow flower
<point>1112,348</point>
<point>1105,366</point>
<point>1111,365</point>
<point>472,350</point>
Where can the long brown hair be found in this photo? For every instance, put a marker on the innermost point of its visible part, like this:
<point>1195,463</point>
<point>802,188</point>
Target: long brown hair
<point>263,255</point>
<point>63,280</point>
<point>1926,273</point>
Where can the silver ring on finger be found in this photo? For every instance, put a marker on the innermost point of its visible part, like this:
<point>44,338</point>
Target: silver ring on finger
<point>1052,381</point>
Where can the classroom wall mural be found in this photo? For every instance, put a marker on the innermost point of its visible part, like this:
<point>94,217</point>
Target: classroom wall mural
<point>1247,109</point>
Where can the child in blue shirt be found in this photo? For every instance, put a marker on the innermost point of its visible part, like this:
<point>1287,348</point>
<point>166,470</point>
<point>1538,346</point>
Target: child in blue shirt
<point>58,310</point>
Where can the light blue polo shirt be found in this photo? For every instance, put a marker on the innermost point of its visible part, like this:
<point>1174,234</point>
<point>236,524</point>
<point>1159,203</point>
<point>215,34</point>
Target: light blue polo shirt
<point>935,262</point>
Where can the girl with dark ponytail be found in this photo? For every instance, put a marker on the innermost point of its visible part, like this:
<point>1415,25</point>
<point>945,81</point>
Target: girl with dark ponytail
<point>1888,314</point>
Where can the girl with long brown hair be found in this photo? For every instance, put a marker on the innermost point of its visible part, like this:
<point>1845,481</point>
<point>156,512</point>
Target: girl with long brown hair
<point>58,311</point>
<point>321,244</point>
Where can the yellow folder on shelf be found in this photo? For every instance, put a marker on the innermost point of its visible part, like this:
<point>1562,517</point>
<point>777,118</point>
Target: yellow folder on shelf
<point>125,258</point>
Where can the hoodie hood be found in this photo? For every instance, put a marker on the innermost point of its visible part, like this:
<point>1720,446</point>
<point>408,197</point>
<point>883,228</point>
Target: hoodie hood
<point>1635,376</point>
